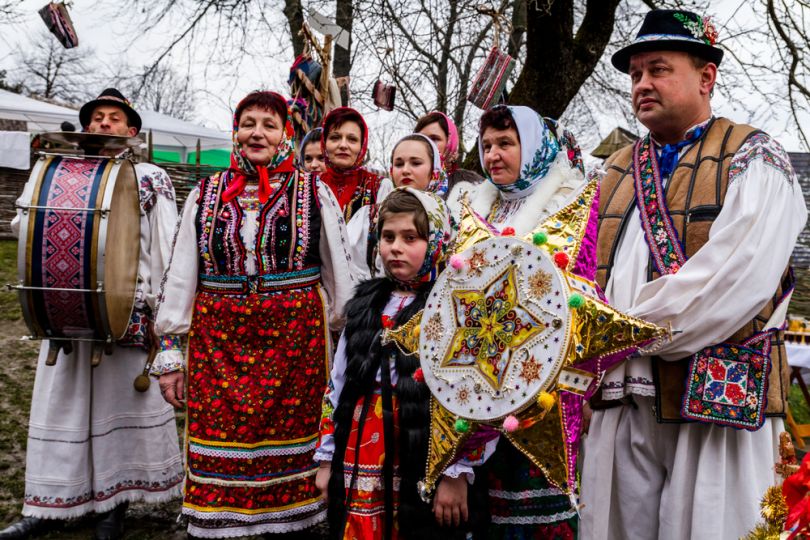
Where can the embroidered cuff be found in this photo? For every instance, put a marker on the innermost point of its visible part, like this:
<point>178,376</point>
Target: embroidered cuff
<point>170,343</point>
<point>167,362</point>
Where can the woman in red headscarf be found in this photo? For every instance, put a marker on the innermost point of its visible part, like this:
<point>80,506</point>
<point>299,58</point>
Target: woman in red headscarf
<point>344,143</point>
<point>258,267</point>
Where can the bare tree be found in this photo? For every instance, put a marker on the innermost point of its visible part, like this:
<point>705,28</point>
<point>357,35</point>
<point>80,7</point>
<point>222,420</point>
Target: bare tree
<point>9,11</point>
<point>429,50</point>
<point>47,70</point>
<point>162,90</point>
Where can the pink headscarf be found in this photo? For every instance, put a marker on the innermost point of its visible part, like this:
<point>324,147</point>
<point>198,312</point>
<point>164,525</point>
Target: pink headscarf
<point>450,153</point>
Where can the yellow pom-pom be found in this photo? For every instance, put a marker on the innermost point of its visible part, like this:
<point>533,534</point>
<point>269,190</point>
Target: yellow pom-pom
<point>546,401</point>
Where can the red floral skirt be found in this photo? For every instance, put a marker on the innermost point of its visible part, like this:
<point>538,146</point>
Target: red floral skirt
<point>257,371</point>
<point>366,512</point>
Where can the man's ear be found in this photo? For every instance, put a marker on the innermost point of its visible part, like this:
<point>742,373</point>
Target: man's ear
<point>132,131</point>
<point>708,78</point>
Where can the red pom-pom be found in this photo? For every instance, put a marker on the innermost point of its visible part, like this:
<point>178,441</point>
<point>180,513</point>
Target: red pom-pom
<point>561,259</point>
<point>419,375</point>
<point>508,231</point>
<point>387,321</point>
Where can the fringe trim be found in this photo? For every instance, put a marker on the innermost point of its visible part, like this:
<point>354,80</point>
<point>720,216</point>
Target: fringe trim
<point>130,496</point>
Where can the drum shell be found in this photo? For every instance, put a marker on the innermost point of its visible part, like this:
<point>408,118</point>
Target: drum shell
<point>79,247</point>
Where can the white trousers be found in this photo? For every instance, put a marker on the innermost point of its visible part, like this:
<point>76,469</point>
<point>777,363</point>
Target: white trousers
<point>644,480</point>
<point>93,441</point>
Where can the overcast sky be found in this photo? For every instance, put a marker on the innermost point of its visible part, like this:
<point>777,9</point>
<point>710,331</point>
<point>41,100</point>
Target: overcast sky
<point>101,26</point>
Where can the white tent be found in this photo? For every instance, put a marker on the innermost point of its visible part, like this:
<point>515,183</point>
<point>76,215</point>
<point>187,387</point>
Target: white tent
<point>169,134</point>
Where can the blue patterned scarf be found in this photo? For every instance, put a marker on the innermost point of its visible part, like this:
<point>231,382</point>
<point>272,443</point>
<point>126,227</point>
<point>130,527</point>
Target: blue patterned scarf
<point>538,149</point>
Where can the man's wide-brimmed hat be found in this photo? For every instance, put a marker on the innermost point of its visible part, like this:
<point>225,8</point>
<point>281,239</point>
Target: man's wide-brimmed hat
<point>672,30</point>
<point>113,97</point>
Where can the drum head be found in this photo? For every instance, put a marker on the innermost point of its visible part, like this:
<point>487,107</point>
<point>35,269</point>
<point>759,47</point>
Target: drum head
<point>494,333</point>
<point>122,250</point>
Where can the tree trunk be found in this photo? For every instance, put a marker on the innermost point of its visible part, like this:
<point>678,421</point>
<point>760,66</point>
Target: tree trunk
<point>341,66</point>
<point>557,61</point>
<point>518,27</point>
<point>294,12</point>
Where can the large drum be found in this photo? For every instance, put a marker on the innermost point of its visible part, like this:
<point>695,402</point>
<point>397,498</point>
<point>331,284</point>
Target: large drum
<point>79,248</point>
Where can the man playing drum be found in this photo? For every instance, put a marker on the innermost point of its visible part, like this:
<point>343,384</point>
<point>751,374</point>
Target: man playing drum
<point>94,442</point>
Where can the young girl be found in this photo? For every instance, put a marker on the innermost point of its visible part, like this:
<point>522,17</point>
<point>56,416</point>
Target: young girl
<point>310,157</point>
<point>416,163</point>
<point>374,447</point>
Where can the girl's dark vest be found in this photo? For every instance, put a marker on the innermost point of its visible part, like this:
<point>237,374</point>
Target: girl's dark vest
<point>695,194</point>
<point>365,354</point>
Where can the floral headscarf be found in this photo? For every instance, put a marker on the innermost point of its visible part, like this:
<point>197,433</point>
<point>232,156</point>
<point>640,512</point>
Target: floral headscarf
<point>538,148</point>
<point>438,178</point>
<point>311,137</point>
<point>242,168</point>
<point>439,231</point>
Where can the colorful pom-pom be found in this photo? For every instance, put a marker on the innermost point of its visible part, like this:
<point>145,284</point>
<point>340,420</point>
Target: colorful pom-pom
<point>508,231</point>
<point>461,426</point>
<point>510,424</point>
<point>457,262</point>
<point>561,259</point>
<point>546,401</point>
<point>576,301</point>
<point>387,321</point>
<point>419,375</point>
<point>539,238</point>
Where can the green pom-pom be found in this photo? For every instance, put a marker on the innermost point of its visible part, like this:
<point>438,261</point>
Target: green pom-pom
<point>462,426</point>
<point>576,301</point>
<point>539,238</point>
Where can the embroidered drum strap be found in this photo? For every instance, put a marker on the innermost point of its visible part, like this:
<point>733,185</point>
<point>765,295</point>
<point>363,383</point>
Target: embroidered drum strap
<point>665,245</point>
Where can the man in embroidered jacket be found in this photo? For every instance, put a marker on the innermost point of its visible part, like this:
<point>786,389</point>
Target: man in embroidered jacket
<point>734,209</point>
<point>94,442</point>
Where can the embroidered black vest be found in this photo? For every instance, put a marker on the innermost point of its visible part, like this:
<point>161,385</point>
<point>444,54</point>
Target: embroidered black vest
<point>288,233</point>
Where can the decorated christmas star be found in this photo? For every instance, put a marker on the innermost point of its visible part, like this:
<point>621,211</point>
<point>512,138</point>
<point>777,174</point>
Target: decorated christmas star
<point>512,341</point>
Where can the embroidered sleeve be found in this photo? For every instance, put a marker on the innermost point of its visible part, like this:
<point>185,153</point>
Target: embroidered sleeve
<point>153,182</point>
<point>178,286</point>
<point>336,262</point>
<point>326,442</point>
<point>764,148</point>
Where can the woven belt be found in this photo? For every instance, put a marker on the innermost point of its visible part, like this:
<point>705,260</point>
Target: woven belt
<point>280,281</point>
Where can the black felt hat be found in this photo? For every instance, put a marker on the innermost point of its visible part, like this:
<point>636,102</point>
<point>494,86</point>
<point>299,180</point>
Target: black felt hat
<point>113,97</point>
<point>672,30</point>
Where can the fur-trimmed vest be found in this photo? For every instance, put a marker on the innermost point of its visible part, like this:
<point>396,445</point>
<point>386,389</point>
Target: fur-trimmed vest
<point>694,194</point>
<point>365,355</point>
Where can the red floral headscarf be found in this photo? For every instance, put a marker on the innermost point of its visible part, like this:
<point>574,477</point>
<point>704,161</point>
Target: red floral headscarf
<point>242,168</point>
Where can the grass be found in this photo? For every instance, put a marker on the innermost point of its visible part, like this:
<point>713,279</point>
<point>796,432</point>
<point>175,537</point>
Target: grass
<point>798,405</point>
<point>16,384</point>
